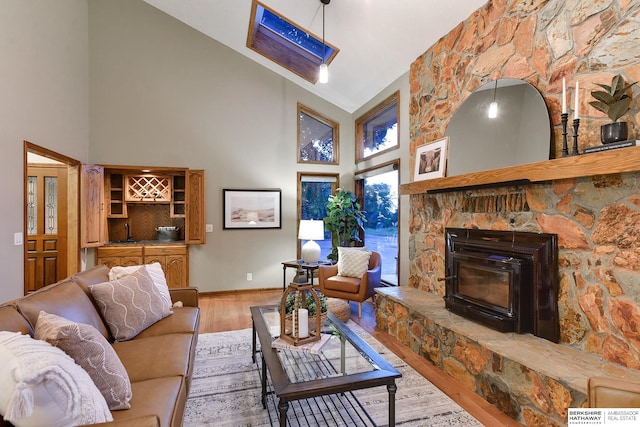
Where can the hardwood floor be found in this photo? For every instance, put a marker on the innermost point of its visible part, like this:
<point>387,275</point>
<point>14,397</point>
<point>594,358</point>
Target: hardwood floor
<point>228,311</point>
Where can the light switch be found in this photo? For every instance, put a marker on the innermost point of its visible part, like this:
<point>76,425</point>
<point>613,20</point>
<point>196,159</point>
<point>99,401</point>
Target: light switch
<point>17,239</point>
<point>208,228</point>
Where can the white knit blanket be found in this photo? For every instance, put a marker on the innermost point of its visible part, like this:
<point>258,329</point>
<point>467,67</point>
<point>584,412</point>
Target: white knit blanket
<point>39,378</point>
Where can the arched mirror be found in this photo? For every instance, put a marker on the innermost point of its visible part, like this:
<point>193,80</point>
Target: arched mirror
<point>516,131</point>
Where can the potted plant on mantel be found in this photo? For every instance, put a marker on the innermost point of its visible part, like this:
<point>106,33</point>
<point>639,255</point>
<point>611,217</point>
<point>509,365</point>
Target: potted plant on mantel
<point>344,220</point>
<point>614,101</point>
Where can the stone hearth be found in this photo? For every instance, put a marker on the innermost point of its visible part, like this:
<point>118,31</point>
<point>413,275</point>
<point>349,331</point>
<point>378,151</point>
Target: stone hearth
<point>530,379</point>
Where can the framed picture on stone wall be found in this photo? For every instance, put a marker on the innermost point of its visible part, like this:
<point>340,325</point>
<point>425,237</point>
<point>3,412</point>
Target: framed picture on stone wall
<point>431,160</point>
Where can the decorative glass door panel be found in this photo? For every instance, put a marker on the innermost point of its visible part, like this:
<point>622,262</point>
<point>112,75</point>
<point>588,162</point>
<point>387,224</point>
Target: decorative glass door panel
<point>46,195</point>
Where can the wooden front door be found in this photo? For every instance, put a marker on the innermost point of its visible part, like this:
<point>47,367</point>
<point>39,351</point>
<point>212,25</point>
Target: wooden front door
<point>46,231</point>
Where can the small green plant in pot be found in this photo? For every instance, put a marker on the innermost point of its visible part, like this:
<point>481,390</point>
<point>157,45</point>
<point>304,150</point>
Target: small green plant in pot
<point>614,100</point>
<point>345,220</point>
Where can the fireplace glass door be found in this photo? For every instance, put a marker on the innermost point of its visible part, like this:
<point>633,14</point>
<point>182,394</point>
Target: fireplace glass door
<point>486,285</point>
<point>507,280</point>
<point>487,281</point>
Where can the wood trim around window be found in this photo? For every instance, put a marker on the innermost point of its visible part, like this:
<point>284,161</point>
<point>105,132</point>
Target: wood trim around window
<point>335,126</point>
<point>375,111</point>
<point>359,192</point>
<point>300,175</point>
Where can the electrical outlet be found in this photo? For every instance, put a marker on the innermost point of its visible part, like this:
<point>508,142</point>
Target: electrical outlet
<point>249,277</point>
<point>208,228</point>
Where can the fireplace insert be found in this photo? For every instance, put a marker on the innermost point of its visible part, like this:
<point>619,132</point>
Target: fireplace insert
<point>507,280</point>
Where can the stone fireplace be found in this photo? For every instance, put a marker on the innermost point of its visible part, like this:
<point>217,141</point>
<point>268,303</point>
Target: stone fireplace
<point>506,280</point>
<point>596,218</point>
<point>533,380</point>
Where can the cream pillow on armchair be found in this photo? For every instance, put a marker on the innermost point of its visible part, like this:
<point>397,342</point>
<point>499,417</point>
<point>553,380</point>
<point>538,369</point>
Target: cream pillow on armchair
<point>353,262</point>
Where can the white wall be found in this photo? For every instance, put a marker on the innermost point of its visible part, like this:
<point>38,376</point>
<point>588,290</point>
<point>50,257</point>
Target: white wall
<point>119,82</point>
<point>44,99</point>
<point>163,94</point>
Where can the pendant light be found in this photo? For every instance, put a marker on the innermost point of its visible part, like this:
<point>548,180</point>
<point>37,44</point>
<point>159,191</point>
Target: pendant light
<point>493,107</point>
<point>323,72</point>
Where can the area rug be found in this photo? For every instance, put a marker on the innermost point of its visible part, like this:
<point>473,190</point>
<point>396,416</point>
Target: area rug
<point>226,391</point>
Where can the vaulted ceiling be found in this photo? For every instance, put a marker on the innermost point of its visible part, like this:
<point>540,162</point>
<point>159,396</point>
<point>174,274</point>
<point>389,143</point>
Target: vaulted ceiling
<point>378,39</point>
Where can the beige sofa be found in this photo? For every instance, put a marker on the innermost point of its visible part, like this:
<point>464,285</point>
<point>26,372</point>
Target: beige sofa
<point>159,361</point>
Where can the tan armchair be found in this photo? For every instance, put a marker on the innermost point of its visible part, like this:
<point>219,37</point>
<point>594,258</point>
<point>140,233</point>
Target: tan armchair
<point>605,392</point>
<point>351,288</point>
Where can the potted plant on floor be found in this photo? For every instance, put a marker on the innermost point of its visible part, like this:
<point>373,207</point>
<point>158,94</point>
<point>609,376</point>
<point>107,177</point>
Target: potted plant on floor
<point>614,100</point>
<point>345,220</point>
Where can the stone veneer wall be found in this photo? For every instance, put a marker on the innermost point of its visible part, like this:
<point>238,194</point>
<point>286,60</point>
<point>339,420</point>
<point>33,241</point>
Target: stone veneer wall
<point>597,219</point>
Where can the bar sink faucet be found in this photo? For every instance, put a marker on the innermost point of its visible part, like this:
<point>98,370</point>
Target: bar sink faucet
<point>129,235</point>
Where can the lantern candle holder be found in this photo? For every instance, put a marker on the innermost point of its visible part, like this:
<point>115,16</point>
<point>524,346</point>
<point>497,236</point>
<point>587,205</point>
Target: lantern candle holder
<point>300,331</point>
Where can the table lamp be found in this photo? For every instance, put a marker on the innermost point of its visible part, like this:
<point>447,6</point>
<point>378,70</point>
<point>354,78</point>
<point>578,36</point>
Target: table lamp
<point>311,230</point>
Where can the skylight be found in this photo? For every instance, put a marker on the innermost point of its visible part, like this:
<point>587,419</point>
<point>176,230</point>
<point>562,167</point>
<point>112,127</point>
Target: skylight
<point>286,43</point>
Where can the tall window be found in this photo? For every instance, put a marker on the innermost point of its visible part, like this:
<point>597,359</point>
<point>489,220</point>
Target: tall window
<point>317,138</point>
<point>378,189</point>
<point>314,190</point>
<point>377,130</point>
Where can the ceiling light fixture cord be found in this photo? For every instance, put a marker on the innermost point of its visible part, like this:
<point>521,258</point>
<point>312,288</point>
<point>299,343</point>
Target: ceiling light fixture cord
<point>493,107</point>
<point>323,45</point>
<point>323,74</point>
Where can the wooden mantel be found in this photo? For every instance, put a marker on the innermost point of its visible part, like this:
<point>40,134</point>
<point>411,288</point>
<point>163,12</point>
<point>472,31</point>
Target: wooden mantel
<point>600,163</point>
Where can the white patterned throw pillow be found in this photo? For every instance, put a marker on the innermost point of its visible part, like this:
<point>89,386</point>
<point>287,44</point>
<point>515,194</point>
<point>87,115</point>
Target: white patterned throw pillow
<point>40,385</point>
<point>353,262</point>
<point>90,350</point>
<point>155,271</point>
<point>130,304</point>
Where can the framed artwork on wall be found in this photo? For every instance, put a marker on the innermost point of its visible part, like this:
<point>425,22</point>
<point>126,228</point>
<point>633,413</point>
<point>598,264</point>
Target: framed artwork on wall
<point>251,209</point>
<point>431,160</point>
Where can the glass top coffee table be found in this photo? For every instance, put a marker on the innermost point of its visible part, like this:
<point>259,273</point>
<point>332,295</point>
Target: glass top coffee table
<point>343,364</point>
